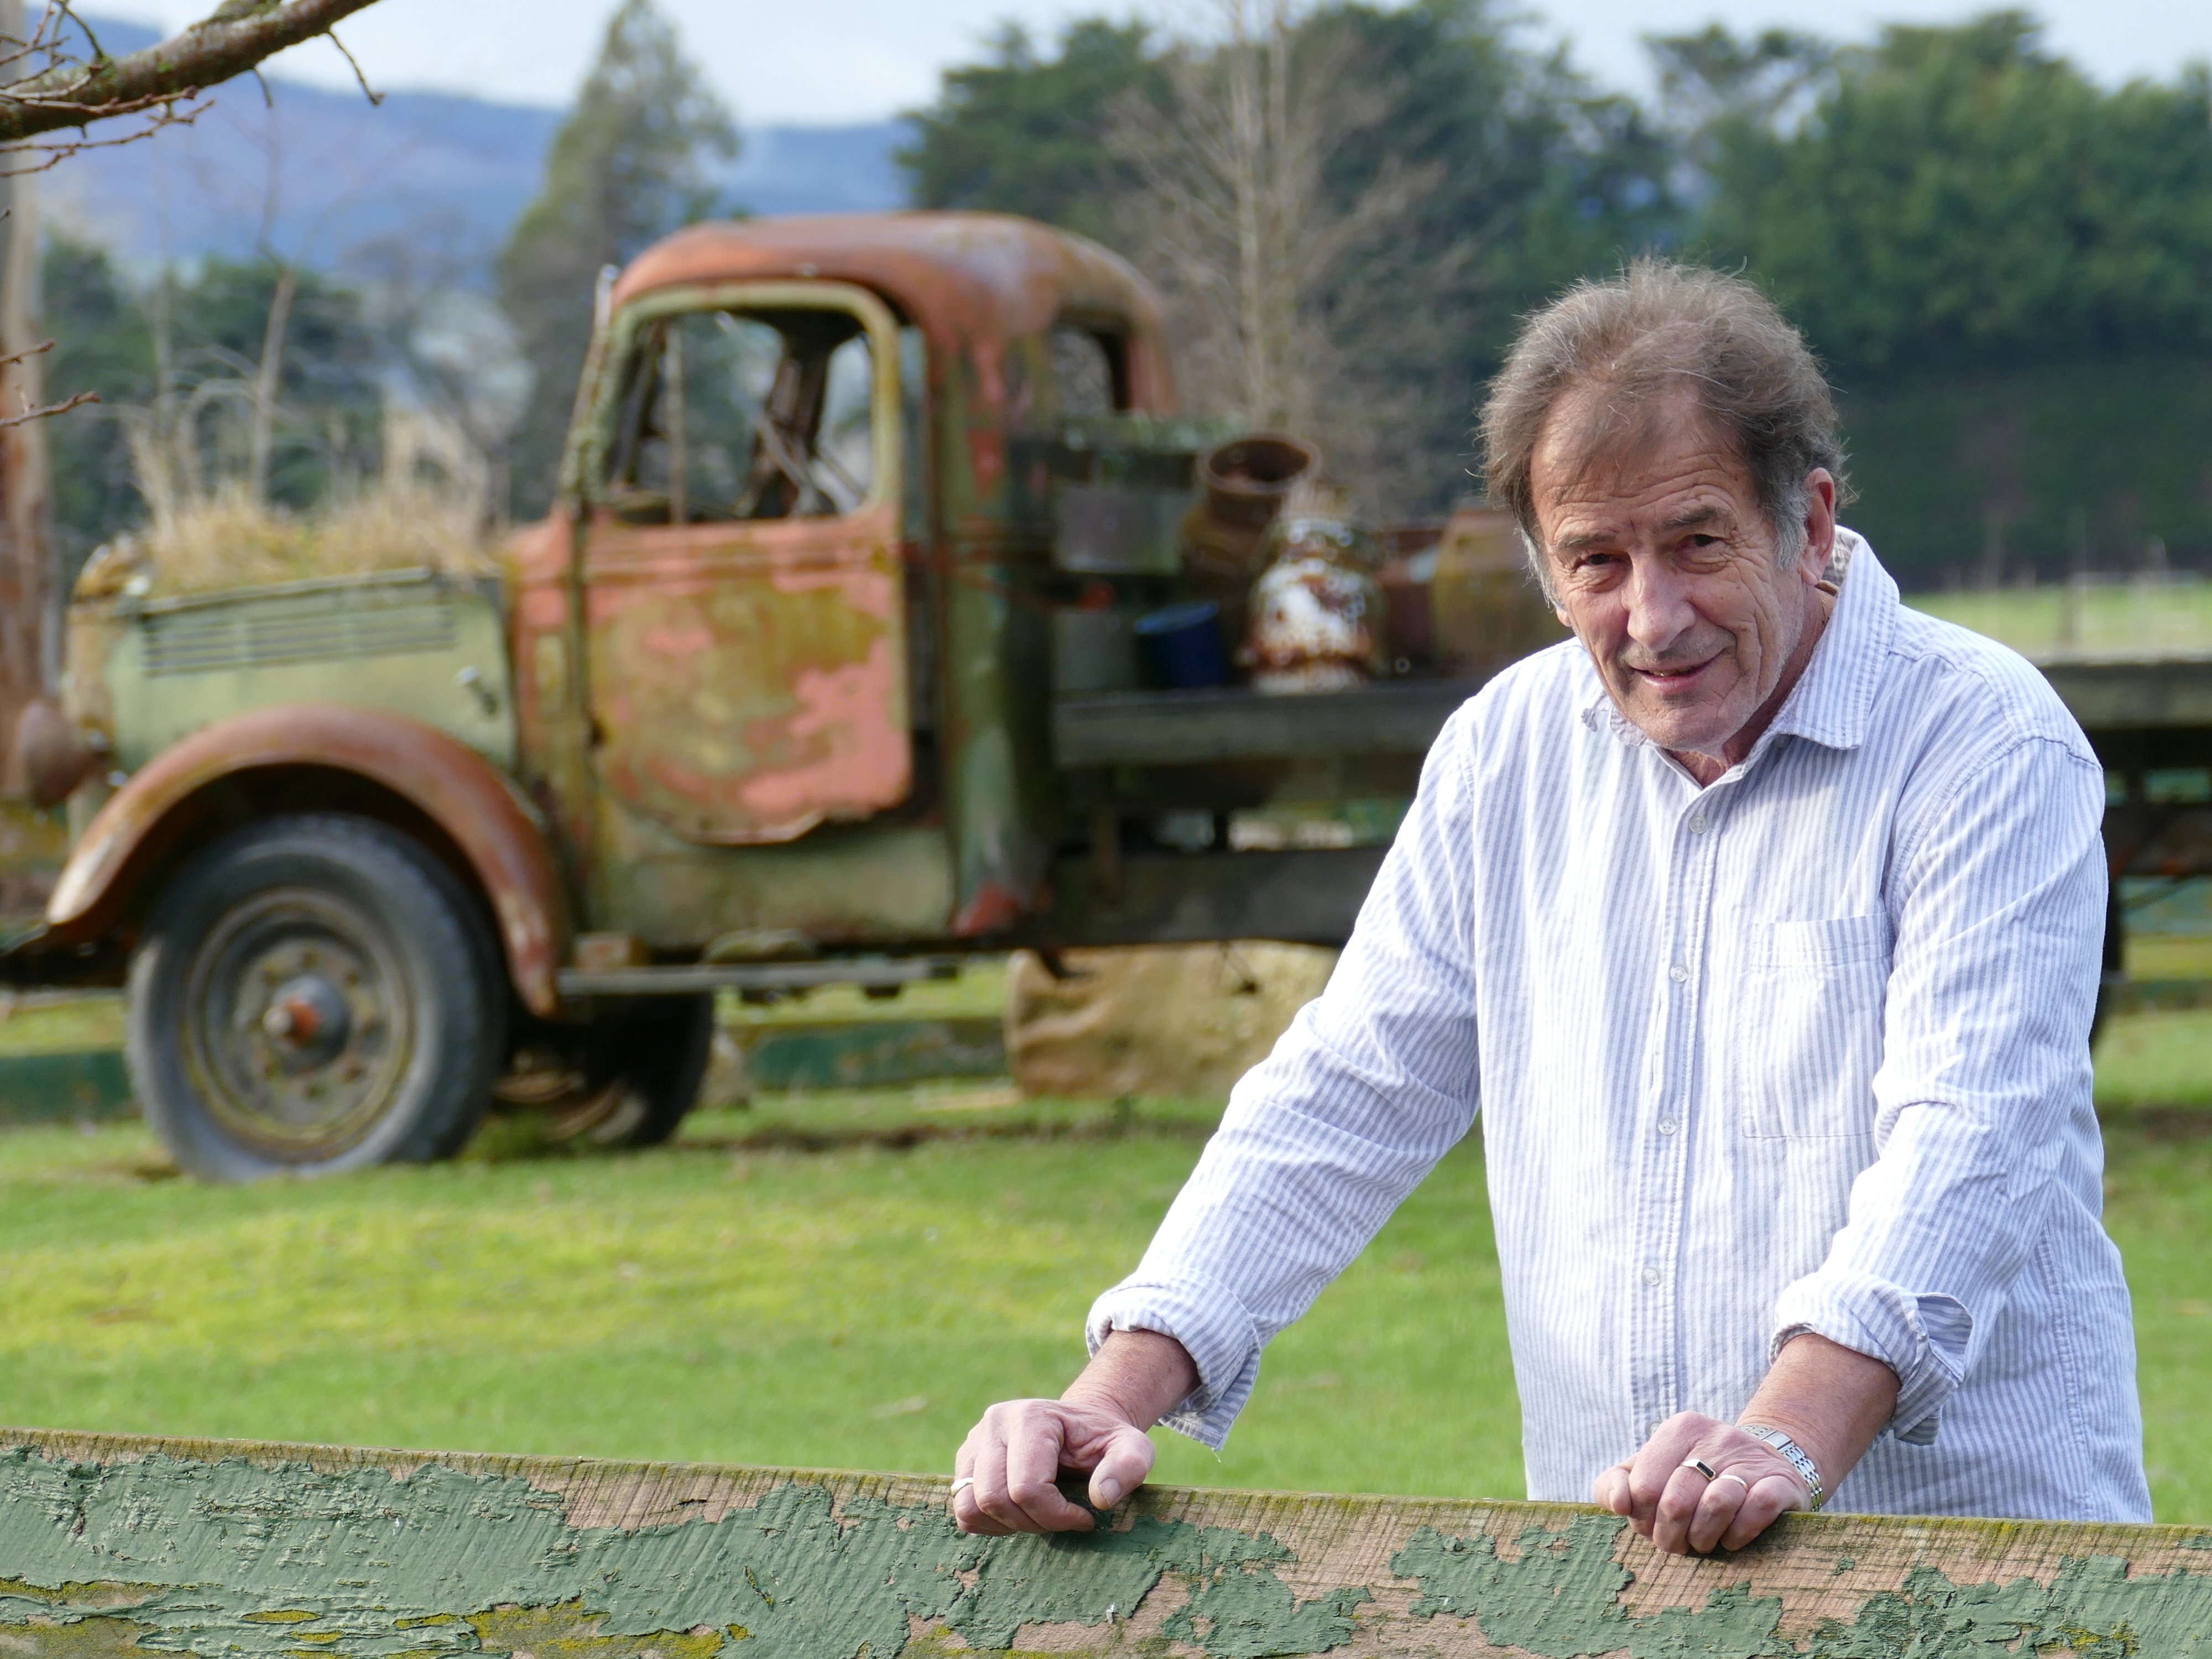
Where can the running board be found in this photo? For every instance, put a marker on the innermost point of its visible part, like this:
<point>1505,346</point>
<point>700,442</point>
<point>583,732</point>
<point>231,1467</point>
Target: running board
<point>869,973</point>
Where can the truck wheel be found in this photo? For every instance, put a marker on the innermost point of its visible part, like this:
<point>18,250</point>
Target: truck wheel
<point>313,994</point>
<point>643,1066</point>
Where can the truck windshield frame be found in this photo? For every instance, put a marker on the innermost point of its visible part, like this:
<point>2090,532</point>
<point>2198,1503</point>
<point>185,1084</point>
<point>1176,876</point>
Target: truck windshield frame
<point>637,324</point>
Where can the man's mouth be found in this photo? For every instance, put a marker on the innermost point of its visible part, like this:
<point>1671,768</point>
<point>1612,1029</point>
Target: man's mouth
<point>1674,677</point>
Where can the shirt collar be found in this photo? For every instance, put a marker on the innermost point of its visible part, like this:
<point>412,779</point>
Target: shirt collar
<point>1833,700</point>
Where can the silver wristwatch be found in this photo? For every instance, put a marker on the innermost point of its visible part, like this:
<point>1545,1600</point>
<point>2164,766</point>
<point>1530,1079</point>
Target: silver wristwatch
<point>1794,1455</point>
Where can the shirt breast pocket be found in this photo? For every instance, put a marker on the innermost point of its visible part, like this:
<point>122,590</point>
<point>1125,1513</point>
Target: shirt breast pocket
<point>1809,1032</point>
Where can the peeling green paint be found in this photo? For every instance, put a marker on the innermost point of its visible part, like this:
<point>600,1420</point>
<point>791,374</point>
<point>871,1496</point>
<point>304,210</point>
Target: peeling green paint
<point>265,1559</point>
<point>1090,1578</point>
<point>210,1547</point>
<point>1560,1599</point>
<point>2092,1610</point>
<point>571,1632</point>
<point>1254,1615</point>
<point>219,1542</point>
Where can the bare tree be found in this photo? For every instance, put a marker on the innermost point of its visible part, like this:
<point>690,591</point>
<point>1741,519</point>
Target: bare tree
<point>75,89</point>
<point>1233,221</point>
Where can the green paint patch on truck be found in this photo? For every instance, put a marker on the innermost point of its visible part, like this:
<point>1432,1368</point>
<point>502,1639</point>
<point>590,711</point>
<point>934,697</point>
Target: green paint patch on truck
<point>112,1546</point>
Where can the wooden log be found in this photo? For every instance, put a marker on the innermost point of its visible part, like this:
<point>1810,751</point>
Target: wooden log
<point>110,1545</point>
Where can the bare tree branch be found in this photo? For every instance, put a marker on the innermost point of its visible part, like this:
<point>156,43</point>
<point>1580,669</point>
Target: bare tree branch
<point>233,39</point>
<point>368,91</point>
<point>14,358</point>
<point>72,401</point>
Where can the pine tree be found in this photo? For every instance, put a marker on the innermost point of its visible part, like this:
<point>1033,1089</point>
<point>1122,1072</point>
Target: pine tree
<point>635,160</point>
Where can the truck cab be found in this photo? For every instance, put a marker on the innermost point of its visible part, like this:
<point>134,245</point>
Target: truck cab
<point>798,684</point>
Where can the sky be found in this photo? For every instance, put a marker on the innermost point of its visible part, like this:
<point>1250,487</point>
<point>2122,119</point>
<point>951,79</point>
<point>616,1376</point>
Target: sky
<point>830,61</point>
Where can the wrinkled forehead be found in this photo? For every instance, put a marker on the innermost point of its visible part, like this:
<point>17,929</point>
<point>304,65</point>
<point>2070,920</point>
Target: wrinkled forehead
<point>1604,439</point>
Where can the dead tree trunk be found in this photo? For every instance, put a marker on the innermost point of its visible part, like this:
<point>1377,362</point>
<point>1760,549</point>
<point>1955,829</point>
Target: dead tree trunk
<point>27,574</point>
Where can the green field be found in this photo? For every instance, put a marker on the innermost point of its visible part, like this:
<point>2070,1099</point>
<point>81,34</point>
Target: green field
<point>2108,618</point>
<point>845,1280</point>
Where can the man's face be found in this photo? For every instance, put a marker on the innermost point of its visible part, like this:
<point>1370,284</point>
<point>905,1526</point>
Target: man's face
<point>1664,567</point>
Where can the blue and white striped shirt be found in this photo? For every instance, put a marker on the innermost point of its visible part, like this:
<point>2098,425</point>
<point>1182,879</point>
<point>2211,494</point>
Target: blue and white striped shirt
<point>1802,1051</point>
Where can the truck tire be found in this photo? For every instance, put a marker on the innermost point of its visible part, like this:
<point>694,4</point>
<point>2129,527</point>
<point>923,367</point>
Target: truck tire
<point>314,994</point>
<point>643,1063</point>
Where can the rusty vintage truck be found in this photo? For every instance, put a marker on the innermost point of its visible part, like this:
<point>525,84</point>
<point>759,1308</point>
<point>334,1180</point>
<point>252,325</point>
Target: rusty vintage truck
<point>785,692</point>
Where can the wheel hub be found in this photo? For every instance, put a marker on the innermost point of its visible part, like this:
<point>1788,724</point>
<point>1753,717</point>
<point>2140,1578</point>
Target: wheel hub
<point>307,1023</point>
<point>299,1032</point>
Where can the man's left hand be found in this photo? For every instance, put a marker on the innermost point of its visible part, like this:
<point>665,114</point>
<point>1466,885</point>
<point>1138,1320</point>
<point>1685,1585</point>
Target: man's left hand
<point>1670,1503</point>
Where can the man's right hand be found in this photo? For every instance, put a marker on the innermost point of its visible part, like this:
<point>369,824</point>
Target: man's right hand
<point>1004,1476</point>
<point>1014,1454</point>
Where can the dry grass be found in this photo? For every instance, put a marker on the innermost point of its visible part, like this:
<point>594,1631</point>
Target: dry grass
<point>229,540</point>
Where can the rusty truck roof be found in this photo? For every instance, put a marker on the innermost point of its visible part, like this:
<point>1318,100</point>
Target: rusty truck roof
<point>971,278</point>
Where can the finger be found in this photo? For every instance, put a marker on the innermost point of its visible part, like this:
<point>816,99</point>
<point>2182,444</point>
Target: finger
<point>1033,1450</point>
<point>1121,1470</point>
<point>988,1494</point>
<point>1677,1502</point>
<point>967,1514</point>
<point>1767,1499</point>
<point>1610,1490</point>
<point>1716,1510</point>
<point>1648,1478</point>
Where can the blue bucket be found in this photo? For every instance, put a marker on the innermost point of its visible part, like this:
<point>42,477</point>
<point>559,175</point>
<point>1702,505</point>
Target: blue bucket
<point>1183,646</point>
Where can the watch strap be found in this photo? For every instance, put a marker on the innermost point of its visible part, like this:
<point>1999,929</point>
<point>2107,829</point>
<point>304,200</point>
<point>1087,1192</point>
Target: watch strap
<point>1795,1456</point>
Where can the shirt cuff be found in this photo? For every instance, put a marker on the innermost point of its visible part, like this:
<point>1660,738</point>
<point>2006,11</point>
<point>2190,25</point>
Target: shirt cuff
<point>1215,1331</point>
<point>1923,1337</point>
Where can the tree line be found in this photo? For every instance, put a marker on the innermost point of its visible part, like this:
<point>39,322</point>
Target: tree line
<point>1347,205</point>
<point>2004,265</point>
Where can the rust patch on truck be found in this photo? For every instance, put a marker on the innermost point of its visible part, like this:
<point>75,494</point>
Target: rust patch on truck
<point>970,281</point>
<point>449,783</point>
<point>749,680</point>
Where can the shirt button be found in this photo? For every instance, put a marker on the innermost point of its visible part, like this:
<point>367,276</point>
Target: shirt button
<point>1667,1126</point>
<point>1697,824</point>
<point>1651,1275</point>
<point>1678,973</point>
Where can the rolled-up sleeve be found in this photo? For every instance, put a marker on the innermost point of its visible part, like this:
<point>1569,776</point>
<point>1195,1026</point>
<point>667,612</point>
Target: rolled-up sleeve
<point>1372,1083</point>
<point>1998,904</point>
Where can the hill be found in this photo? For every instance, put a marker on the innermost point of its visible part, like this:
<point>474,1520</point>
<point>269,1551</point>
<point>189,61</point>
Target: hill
<point>427,181</point>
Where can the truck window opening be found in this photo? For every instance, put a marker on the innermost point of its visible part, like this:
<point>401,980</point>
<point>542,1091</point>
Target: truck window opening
<point>1088,371</point>
<point>729,416</point>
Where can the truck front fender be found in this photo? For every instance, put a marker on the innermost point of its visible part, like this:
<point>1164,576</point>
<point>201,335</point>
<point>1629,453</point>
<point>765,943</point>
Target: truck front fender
<point>467,799</point>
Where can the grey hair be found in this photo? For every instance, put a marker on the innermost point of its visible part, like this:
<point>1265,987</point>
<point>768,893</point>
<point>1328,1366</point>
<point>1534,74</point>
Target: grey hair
<point>1623,348</point>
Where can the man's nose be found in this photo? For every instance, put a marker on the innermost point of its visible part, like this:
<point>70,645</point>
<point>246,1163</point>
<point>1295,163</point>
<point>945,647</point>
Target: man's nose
<point>1658,601</point>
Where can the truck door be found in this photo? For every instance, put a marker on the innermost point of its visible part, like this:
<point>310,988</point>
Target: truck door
<point>744,597</point>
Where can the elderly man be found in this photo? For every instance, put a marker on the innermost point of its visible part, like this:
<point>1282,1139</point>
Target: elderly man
<point>1761,921</point>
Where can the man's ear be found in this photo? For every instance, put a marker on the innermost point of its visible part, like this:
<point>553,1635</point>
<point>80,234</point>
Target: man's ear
<point>1819,522</point>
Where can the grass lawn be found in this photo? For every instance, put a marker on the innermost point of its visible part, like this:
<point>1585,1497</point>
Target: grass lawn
<point>2125,617</point>
<point>828,1280</point>
<point>845,1280</point>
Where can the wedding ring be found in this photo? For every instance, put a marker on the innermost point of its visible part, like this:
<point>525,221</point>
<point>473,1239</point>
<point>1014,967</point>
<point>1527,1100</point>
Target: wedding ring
<point>962,1485</point>
<point>1732,1475</point>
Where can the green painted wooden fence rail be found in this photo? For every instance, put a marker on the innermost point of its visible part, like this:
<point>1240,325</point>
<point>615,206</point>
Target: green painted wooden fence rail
<point>112,1546</point>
